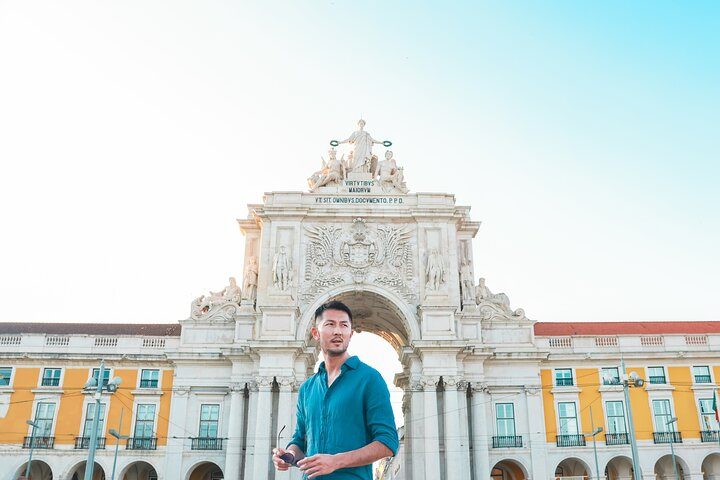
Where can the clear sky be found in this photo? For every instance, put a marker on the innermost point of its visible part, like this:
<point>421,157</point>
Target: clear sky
<point>584,136</point>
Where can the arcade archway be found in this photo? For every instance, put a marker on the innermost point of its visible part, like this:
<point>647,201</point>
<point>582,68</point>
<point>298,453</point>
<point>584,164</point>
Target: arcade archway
<point>77,472</point>
<point>39,470</point>
<point>205,471</point>
<point>139,470</point>
<point>508,470</point>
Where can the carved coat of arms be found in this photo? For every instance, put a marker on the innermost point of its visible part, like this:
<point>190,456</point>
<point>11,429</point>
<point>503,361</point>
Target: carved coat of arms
<point>360,254</point>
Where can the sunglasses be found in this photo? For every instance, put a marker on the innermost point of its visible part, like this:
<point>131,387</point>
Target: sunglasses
<point>286,457</point>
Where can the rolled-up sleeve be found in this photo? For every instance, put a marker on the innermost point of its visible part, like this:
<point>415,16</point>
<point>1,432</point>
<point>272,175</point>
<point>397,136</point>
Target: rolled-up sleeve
<point>379,414</point>
<point>300,436</point>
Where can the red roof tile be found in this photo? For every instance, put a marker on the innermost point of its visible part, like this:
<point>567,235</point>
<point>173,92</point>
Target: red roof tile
<point>147,329</point>
<point>546,329</point>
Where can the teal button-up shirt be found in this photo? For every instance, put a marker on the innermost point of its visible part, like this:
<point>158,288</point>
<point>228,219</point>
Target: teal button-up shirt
<point>354,412</point>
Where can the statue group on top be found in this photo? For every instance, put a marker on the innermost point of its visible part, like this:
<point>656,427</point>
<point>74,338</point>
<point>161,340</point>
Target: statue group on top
<point>360,159</point>
<point>491,304</point>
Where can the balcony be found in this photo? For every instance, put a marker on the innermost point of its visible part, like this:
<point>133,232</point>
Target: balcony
<point>141,443</point>
<point>570,441</point>
<point>616,439</point>
<point>50,382</point>
<point>207,443</point>
<point>667,437</point>
<point>657,379</point>
<point>39,442</point>
<point>83,443</point>
<point>145,383</point>
<point>711,436</point>
<point>564,382</point>
<point>507,441</point>
<point>703,379</point>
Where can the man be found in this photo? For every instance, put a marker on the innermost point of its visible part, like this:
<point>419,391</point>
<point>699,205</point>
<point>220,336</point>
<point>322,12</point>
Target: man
<point>344,418</point>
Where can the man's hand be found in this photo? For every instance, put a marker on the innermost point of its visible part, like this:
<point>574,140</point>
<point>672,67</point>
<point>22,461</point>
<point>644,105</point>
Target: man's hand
<point>320,464</point>
<point>280,464</point>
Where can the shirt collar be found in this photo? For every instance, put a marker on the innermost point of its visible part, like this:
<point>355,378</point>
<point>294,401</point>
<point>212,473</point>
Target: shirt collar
<point>351,362</point>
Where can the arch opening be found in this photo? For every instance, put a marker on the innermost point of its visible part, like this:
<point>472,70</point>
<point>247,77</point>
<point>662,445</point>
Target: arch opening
<point>77,472</point>
<point>205,471</point>
<point>711,467</point>
<point>572,469</point>
<point>664,468</point>
<point>508,470</point>
<point>39,470</point>
<point>139,470</point>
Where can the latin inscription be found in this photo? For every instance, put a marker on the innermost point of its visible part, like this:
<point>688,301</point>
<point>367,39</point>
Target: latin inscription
<point>374,200</point>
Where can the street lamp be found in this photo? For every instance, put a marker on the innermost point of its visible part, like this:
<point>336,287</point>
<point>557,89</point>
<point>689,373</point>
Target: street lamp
<point>118,437</point>
<point>98,386</point>
<point>593,434</point>
<point>34,425</point>
<point>627,381</point>
<point>672,449</point>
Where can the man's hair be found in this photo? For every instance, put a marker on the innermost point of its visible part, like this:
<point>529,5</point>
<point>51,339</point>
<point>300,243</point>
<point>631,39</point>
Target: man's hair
<point>333,305</point>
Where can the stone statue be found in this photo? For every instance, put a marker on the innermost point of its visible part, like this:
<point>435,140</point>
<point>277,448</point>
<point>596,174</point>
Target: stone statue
<point>435,270</point>
<point>484,295</point>
<point>362,144</point>
<point>281,269</point>
<point>389,175</point>
<point>207,304</point>
<point>250,280</point>
<point>467,284</point>
<point>332,172</point>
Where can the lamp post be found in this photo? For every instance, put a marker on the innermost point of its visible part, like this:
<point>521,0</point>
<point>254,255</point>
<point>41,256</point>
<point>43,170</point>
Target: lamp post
<point>672,448</point>
<point>593,434</point>
<point>627,381</point>
<point>118,437</point>
<point>98,386</point>
<point>32,445</point>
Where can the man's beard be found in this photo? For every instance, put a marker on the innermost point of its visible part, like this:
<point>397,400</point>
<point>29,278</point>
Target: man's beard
<point>333,351</point>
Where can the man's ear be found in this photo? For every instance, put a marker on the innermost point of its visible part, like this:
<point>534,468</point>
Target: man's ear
<point>315,333</point>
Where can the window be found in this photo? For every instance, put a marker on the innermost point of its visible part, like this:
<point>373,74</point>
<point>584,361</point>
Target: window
<point>662,415</point>
<point>505,418</point>
<point>209,416</point>
<point>5,374</point>
<point>149,378</point>
<point>702,374</point>
<point>656,375</point>
<point>106,375</point>
<point>563,377</point>
<point>708,415</point>
<point>610,376</point>
<point>568,418</point>
<point>51,377</point>
<point>89,415</point>
<point>145,421</point>
<point>615,417</point>
<point>44,415</point>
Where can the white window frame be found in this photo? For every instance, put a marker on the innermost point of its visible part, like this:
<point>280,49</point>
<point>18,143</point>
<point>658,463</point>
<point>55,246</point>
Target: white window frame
<point>607,417</point>
<point>13,369</point>
<point>710,373</point>
<point>573,377</point>
<point>105,400</point>
<point>41,399</point>
<point>577,417</point>
<point>220,417</point>
<point>134,415</point>
<point>42,375</point>
<point>139,378</point>
<point>602,380</point>
<point>108,369</point>
<point>674,426</point>
<point>700,414</point>
<point>665,374</point>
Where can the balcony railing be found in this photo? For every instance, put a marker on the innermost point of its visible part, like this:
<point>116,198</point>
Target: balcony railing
<point>142,443</point>
<point>570,441</point>
<point>657,379</point>
<point>39,442</point>
<point>703,379</point>
<point>710,436</point>
<point>83,443</point>
<point>145,383</point>
<point>507,441</point>
<point>667,437</point>
<point>564,382</point>
<point>207,443</point>
<point>50,382</point>
<point>616,439</point>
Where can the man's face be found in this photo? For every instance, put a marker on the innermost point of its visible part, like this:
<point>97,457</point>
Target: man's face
<point>333,331</point>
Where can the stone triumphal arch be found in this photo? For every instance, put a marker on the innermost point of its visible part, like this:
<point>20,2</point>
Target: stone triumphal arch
<point>404,263</point>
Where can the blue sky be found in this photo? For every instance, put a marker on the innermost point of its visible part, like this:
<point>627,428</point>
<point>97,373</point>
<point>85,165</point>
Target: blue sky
<point>584,136</point>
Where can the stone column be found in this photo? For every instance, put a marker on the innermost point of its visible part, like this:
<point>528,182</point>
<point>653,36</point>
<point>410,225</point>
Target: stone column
<point>176,431</point>
<point>456,447</point>
<point>481,447</point>
<point>235,431</point>
<point>284,418</point>
<point>263,424</point>
<point>536,432</point>
<point>252,422</point>
<point>431,452</point>
<point>417,431</point>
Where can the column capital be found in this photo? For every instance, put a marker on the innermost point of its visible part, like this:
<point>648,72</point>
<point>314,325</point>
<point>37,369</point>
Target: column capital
<point>287,383</point>
<point>532,390</point>
<point>252,386</point>
<point>479,387</point>
<point>181,391</point>
<point>454,381</point>
<point>430,381</point>
<point>237,387</point>
<point>264,382</point>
